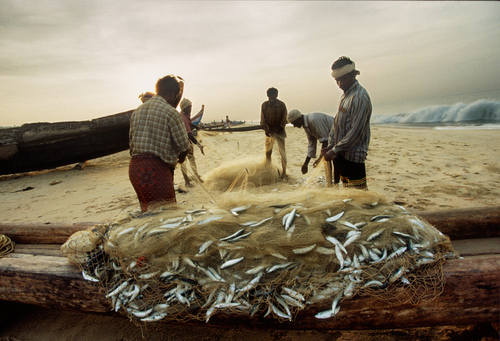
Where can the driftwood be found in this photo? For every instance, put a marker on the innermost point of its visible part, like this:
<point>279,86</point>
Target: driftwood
<point>470,296</point>
<point>456,223</point>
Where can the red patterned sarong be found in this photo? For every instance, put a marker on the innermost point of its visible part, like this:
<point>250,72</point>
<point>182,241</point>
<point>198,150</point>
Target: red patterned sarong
<point>152,179</point>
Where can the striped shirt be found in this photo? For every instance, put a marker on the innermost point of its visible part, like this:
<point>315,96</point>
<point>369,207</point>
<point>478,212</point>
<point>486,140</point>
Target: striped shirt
<point>274,116</point>
<point>352,124</point>
<point>157,128</point>
<point>317,127</point>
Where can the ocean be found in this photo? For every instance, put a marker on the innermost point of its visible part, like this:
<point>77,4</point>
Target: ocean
<point>481,114</point>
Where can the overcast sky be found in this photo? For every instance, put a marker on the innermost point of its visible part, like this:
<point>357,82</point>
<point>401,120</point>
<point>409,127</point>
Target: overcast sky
<point>66,60</point>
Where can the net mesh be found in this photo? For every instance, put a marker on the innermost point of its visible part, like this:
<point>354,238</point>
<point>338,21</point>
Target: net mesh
<point>272,255</point>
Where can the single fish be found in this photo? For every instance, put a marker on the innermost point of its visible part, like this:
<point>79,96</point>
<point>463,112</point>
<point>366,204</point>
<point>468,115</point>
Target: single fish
<point>375,235</point>
<point>205,246</point>
<point>208,220</point>
<point>234,235</point>
<point>379,217</point>
<point>290,219</point>
<point>335,242</point>
<point>279,267</point>
<point>130,229</point>
<point>304,250</point>
<point>231,262</point>
<point>334,218</point>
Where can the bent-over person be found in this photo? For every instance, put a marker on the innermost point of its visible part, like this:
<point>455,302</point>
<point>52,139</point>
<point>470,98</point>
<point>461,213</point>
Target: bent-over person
<point>317,127</point>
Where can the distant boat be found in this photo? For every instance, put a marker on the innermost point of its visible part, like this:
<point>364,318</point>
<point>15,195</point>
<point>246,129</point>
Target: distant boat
<point>196,120</point>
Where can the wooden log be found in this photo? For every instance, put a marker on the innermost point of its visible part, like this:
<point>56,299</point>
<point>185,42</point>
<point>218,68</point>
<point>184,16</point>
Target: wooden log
<point>469,223</point>
<point>470,296</point>
<point>458,224</point>
<point>42,233</point>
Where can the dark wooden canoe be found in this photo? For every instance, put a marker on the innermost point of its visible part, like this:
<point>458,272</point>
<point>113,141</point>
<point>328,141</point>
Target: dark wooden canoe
<point>39,274</point>
<point>38,146</point>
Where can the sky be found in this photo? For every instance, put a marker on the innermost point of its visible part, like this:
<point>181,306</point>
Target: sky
<point>66,60</point>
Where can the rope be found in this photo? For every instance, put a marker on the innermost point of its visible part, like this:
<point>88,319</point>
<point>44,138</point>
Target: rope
<point>6,245</point>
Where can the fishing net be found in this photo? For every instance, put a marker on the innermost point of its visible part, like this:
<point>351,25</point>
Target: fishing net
<point>270,255</point>
<point>243,173</point>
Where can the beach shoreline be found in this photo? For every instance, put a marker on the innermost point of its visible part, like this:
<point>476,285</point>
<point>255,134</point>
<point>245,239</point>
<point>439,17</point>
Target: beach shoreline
<point>419,169</point>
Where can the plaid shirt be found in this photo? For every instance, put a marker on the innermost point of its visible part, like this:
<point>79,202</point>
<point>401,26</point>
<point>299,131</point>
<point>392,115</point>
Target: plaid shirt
<point>274,116</point>
<point>157,128</point>
<point>352,124</point>
<point>317,127</point>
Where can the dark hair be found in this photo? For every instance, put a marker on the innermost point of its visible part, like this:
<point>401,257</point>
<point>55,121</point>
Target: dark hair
<point>342,61</point>
<point>166,85</point>
<point>272,92</point>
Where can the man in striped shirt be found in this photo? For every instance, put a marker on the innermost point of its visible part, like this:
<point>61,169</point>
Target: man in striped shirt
<point>158,140</point>
<point>351,126</point>
<point>273,119</point>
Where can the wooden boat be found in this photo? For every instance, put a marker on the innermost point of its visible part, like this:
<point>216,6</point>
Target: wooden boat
<point>37,146</point>
<point>37,273</point>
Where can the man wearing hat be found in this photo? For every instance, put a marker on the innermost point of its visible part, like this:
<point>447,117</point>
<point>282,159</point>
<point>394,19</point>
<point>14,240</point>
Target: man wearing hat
<point>158,140</point>
<point>351,139</point>
<point>273,120</point>
<point>186,107</point>
<point>317,127</point>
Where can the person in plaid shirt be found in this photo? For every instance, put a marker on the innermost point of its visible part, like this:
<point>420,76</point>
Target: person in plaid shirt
<point>158,140</point>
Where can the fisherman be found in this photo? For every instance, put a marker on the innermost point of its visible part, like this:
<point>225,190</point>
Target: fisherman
<point>158,140</point>
<point>273,119</point>
<point>349,146</point>
<point>317,127</point>
<point>186,107</point>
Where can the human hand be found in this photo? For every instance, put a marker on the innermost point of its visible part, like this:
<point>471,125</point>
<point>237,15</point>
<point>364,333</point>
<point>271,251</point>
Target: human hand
<point>330,155</point>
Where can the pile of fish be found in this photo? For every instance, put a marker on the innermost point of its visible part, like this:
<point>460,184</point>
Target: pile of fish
<point>235,272</point>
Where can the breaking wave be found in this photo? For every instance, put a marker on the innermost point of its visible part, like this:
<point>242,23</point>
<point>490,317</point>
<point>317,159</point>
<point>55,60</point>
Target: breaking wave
<point>480,112</point>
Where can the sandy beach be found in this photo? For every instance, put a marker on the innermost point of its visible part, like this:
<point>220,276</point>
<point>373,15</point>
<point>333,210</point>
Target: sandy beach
<point>419,169</point>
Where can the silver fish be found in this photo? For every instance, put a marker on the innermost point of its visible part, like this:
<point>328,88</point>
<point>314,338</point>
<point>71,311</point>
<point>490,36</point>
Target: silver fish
<point>304,249</point>
<point>261,222</point>
<point>205,245</point>
<point>149,275</point>
<point>379,217</point>
<point>87,277</point>
<point>118,289</point>
<point>279,267</point>
<point>351,239</point>
<point>255,270</point>
<point>335,242</point>
<point>324,250</point>
<point>234,235</point>
<point>290,219</point>
<point>231,262</point>
<point>130,229</point>
<point>208,220</point>
<point>375,235</point>
<point>334,218</point>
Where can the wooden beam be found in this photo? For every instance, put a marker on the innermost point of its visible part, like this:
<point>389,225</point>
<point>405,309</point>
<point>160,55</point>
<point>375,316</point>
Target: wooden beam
<point>469,223</point>
<point>42,233</point>
<point>458,224</point>
<point>470,296</point>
